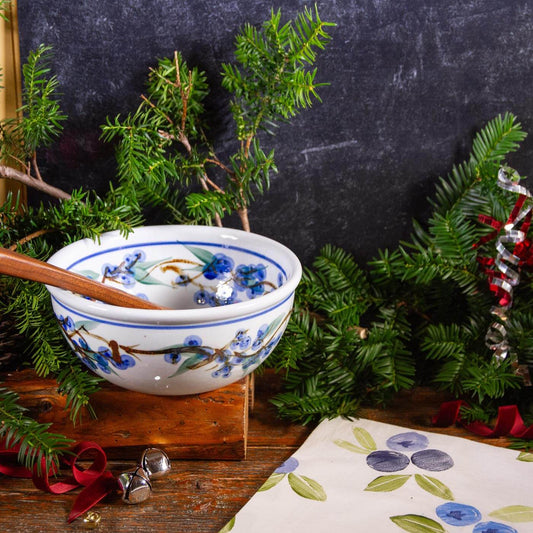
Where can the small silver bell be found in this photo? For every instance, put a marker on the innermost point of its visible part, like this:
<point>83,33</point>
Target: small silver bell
<point>135,485</point>
<point>155,462</point>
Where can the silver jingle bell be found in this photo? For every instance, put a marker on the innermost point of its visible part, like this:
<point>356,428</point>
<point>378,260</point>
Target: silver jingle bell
<point>135,485</point>
<point>155,462</point>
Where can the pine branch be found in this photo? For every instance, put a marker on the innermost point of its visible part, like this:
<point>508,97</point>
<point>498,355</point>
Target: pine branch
<point>425,303</point>
<point>36,443</point>
<point>40,125</point>
<point>77,386</point>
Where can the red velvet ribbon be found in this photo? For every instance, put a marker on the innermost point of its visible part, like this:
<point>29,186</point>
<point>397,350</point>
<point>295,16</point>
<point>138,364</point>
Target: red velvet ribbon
<point>508,423</point>
<point>96,480</point>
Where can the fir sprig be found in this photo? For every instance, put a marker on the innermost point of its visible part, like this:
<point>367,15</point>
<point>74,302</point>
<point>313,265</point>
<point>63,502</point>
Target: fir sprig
<point>342,344</point>
<point>422,310</point>
<point>39,124</point>
<point>38,231</point>
<point>4,7</point>
<point>163,146</point>
<point>164,159</point>
<point>38,447</point>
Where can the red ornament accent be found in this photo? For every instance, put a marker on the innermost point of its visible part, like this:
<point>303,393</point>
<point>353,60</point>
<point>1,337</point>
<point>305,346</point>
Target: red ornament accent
<point>96,480</point>
<point>508,423</point>
<point>522,250</point>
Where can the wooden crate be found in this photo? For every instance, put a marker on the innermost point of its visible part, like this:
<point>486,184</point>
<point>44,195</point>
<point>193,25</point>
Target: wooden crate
<point>212,425</point>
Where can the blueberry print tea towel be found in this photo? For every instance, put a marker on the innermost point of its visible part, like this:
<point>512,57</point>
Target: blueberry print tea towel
<point>365,476</point>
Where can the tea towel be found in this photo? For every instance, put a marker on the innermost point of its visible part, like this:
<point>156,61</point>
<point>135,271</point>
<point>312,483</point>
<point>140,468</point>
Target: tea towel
<point>366,476</point>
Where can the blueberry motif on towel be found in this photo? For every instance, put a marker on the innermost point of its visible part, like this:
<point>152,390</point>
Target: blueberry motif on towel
<point>407,449</point>
<point>412,449</point>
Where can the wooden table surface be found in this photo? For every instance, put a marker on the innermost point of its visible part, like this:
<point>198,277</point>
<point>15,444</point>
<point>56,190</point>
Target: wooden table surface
<point>201,496</point>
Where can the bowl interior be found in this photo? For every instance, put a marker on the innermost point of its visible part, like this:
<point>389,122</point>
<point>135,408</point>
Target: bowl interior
<point>185,274</point>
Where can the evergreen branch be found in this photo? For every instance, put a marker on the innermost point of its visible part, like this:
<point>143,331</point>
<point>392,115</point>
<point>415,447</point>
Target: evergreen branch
<point>500,137</point>
<point>305,407</point>
<point>77,386</point>
<point>490,380</point>
<point>36,444</point>
<point>40,125</point>
<point>41,122</point>
<point>310,32</point>
<point>207,204</point>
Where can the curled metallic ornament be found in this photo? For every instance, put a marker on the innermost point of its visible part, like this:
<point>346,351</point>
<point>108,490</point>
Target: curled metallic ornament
<point>508,179</point>
<point>507,263</point>
<point>496,340</point>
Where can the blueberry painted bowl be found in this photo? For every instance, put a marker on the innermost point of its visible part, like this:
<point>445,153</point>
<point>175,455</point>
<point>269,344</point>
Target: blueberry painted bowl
<point>230,294</point>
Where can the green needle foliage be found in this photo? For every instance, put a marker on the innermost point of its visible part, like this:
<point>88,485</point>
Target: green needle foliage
<point>164,155</point>
<point>418,314</point>
<point>36,444</point>
<point>164,159</point>
<point>38,232</point>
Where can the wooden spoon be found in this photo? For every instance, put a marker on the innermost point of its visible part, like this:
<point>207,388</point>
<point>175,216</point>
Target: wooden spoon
<point>25,267</point>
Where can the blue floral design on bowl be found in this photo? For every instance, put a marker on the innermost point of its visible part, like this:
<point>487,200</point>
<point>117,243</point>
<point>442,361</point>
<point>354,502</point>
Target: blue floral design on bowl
<point>242,351</point>
<point>248,279</point>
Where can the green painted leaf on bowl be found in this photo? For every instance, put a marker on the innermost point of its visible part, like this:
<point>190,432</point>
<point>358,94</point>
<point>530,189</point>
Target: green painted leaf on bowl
<point>149,264</point>
<point>144,277</point>
<point>87,324</point>
<point>273,326</point>
<point>89,274</point>
<point>203,255</point>
<point>191,363</point>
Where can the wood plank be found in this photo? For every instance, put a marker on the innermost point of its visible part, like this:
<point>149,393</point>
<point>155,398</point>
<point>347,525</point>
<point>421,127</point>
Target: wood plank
<point>197,497</point>
<point>212,425</point>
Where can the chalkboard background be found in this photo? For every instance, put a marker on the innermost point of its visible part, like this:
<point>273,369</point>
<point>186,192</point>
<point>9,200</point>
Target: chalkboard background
<point>411,81</point>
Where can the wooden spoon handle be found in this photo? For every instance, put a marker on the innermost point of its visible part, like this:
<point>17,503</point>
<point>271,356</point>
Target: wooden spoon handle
<point>25,267</point>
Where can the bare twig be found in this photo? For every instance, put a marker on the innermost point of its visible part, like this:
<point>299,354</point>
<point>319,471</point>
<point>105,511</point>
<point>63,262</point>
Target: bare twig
<point>29,238</point>
<point>35,167</point>
<point>40,185</point>
<point>243,215</point>
<point>219,163</point>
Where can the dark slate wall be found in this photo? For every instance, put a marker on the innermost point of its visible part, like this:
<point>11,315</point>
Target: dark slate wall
<point>410,83</point>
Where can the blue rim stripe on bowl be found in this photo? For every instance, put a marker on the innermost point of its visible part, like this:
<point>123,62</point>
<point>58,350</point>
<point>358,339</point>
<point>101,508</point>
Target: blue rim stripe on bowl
<point>187,243</point>
<point>172,327</point>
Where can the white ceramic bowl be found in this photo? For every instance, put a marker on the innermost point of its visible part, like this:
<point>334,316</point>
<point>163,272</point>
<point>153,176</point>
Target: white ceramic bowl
<point>230,294</point>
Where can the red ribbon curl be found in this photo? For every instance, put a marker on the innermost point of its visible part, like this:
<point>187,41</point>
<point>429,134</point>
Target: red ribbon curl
<point>508,423</point>
<point>96,480</point>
